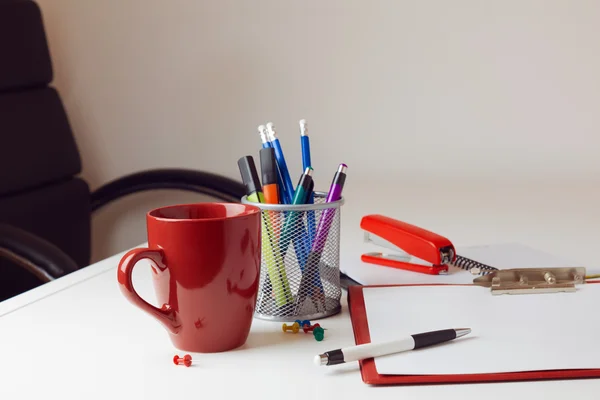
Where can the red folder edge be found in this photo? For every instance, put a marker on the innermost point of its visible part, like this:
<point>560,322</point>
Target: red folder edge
<point>360,325</point>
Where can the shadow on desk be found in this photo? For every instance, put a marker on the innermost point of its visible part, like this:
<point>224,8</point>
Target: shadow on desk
<point>270,339</point>
<point>343,369</point>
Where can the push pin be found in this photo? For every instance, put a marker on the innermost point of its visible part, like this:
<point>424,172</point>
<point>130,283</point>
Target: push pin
<point>319,333</point>
<point>310,328</point>
<point>295,327</point>
<point>303,323</point>
<point>185,360</point>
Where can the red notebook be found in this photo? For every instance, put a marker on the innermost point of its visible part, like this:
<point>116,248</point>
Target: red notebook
<point>370,375</point>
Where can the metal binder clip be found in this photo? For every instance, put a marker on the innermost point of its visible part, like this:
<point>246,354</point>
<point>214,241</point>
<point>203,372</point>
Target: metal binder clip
<point>416,249</point>
<point>531,281</point>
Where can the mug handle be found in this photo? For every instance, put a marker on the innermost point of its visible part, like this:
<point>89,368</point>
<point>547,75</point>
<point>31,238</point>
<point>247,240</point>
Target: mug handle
<point>165,315</point>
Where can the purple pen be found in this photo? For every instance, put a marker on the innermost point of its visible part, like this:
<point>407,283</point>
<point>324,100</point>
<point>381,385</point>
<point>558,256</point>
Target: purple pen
<point>335,193</point>
<point>310,276</point>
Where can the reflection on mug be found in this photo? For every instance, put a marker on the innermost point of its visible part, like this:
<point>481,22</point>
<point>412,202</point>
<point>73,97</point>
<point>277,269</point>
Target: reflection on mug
<point>246,293</point>
<point>198,323</point>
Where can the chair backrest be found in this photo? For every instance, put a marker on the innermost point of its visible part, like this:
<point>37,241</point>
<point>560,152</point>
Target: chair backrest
<point>39,159</point>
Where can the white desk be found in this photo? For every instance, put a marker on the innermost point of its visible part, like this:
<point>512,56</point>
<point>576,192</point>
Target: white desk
<point>78,338</point>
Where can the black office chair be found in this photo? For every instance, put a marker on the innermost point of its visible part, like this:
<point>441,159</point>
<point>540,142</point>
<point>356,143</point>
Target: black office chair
<point>45,208</point>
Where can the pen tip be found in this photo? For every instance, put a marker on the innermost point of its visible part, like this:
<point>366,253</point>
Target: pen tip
<point>460,332</point>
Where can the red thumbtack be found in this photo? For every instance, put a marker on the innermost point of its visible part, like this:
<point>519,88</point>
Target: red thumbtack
<point>310,328</point>
<point>185,360</point>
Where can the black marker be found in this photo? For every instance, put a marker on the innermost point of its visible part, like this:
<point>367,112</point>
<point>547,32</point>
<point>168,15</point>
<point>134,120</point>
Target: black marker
<point>250,179</point>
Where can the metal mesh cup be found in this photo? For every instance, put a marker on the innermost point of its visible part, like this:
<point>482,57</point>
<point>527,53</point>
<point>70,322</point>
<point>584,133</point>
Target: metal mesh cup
<point>300,275</point>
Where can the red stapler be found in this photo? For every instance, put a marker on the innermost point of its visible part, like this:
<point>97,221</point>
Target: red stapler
<point>410,240</point>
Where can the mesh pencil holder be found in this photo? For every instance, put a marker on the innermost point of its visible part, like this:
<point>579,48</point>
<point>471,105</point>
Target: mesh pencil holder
<point>300,271</point>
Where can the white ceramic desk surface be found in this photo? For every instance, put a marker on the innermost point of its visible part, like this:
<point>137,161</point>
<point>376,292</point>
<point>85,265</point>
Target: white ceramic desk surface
<point>78,338</point>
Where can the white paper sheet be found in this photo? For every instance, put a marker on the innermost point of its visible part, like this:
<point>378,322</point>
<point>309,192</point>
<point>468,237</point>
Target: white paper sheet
<point>510,333</point>
<point>503,256</point>
<point>513,255</point>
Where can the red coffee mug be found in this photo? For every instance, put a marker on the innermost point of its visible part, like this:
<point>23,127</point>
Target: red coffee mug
<point>205,268</point>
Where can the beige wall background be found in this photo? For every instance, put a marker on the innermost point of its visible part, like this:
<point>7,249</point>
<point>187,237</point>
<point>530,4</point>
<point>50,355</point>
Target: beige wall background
<point>431,91</point>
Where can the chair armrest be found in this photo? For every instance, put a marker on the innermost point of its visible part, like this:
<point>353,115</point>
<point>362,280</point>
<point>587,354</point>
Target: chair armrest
<point>218,186</point>
<point>38,256</point>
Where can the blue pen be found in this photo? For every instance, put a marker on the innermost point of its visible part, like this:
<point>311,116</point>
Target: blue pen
<point>288,195</point>
<point>305,143</point>
<point>264,137</point>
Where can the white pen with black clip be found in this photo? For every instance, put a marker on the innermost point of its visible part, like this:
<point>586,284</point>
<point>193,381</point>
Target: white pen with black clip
<point>370,350</point>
